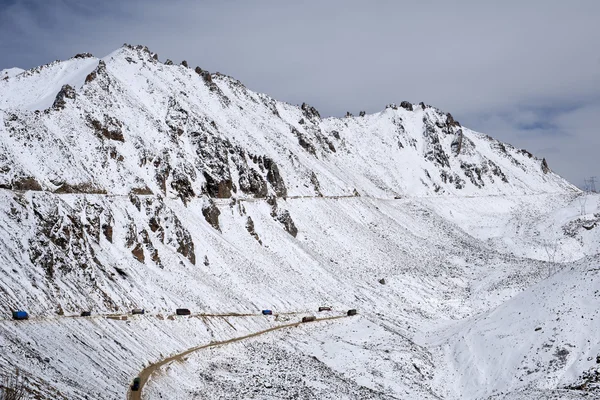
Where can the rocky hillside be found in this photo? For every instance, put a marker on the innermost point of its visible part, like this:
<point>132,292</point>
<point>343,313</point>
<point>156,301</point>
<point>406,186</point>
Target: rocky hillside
<point>129,123</point>
<point>130,182</point>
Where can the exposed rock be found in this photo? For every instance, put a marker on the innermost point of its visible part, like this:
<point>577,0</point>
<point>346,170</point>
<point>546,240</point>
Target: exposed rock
<point>182,186</point>
<point>211,214</point>
<point>362,113</point>
<point>88,188</point>
<point>218,188</point>
<point>349,114</point>
<point>525,152</point>
<point>66,92</point>
<point>168,62</point>
<point>83,55</point>
<point>457,142</point>
<point>250,228</point>
<point>423,106</point>
<point>274,177</point>
<point>184,63</point>
<point>138,253</point>
<point>143,191</point>
<point>310,112</point>
<point>450,120</point>
<point>107,230</point>
<point>433,150</point>
<point>285,218</point>
<point>315,182</point>
<point>100,69</point>
<point>26,183</point>
<point>110,128</point>
<point>382,281</point>
<point>406,105</point>
<point>545,167</point>
<point>303,141</point>
<point>252,182</point>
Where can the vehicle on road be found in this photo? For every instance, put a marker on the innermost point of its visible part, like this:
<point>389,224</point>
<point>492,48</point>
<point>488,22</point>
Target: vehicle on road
<point>267,312</point>
<point>86,313</point>
<point>138,311</point>
<point>324,309</point>
<point>183,311</point>
<point>309,319</point>
<point>135,386</point>
<point>20,315</point>
<point>351,312</point>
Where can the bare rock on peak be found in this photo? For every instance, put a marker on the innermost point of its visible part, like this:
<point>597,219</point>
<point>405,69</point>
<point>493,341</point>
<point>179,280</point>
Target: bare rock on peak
<point>406,105</point>
<point>66,92</point>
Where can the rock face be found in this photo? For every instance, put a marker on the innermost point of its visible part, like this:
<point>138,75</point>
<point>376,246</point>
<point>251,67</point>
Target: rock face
<point>66,92</point>
<point>545,168</point>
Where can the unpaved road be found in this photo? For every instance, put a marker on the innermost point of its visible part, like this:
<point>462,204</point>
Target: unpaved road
<point>148,371</point>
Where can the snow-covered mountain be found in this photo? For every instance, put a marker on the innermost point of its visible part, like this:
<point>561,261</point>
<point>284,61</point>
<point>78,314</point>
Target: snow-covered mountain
<point>130,182</point>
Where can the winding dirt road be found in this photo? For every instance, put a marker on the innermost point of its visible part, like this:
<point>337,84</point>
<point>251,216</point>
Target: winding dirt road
<point>148,371</point>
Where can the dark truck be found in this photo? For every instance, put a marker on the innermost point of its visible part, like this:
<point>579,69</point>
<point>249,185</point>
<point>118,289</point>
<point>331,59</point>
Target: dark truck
<point>20,315</point>
<point>183,311</point>
<point>351,312</point>
<point>86,313</point>
<point>309,319</point>
<point>135,386</point>
<point>324,309</point>
<point>138,311</point>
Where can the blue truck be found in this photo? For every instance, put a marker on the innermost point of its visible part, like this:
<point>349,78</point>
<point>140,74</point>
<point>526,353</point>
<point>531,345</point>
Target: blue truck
<point>20,315</point>
<point>267,312</point>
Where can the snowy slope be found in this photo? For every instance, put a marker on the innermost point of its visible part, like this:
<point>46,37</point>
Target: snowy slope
<point>139,183</point>
<point>37,88</point>
<point>544,338</point>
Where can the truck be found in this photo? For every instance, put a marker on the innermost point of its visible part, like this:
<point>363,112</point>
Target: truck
<point>351,312</point>
<point>20,315</point>
<point>267,312</point>
<point>135,386</point>
<point>138,311</point>
<point>183,311</point>
<point>324,309</point>
<point>86,313</point>
<point>309,318</point>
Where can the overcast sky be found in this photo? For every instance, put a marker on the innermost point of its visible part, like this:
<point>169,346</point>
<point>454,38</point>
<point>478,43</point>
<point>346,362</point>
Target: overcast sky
<point>525,72</point>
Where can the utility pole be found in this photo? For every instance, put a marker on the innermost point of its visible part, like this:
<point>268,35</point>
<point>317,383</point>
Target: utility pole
<point>592,182</point>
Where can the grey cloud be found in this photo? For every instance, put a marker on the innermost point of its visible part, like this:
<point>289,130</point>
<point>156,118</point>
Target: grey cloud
<point>516,70</point>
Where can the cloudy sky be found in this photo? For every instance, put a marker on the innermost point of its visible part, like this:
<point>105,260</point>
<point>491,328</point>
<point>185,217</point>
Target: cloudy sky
<point>526,72</point>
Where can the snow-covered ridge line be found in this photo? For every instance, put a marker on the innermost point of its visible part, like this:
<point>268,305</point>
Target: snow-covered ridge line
<point>130,123</point>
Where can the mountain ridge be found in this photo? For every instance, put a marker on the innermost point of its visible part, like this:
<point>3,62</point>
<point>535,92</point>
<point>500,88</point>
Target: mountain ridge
<point>211,111</point>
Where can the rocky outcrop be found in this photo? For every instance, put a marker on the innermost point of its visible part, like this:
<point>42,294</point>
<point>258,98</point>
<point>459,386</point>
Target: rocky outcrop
<point>109,128</point>
<point>456,145</point>
<point>250,229</point>
<point>434,151</point>
<point>406,105</point>
<point>211,214</point>
<point>545,168</point>
<point>66,92</point>
<point>310,112</point>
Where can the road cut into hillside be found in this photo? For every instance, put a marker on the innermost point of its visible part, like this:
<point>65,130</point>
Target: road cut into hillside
<point>152,368</point>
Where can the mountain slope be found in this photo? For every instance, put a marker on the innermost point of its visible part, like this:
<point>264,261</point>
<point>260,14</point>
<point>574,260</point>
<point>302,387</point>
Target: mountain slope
<point>154,185</point>
<point>138,124</point>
